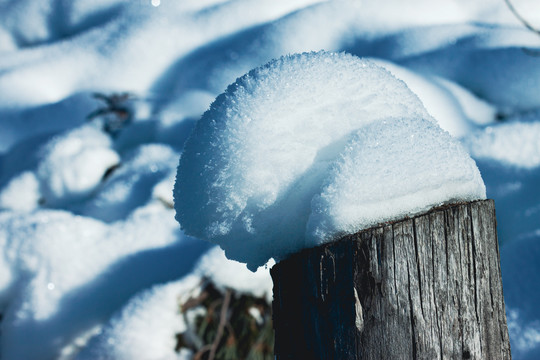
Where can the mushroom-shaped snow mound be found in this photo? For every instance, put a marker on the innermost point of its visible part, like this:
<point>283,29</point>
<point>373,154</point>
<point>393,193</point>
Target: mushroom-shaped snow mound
<point>389,170</point>
<point>268,145</point>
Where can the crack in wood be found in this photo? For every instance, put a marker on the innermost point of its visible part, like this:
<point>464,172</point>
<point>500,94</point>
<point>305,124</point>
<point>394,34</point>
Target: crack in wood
<point>414,340</point>
<point>359,319</point>
<point>418,261</point>
<point>366,298</point>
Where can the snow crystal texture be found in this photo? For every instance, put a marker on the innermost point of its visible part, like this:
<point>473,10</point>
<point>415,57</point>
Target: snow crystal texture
<point>389,170</point>
<point>286,131</point>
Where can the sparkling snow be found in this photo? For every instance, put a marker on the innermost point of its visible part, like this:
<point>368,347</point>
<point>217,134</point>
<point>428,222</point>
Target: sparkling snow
<point>259,157</point>
<point>389,170</point>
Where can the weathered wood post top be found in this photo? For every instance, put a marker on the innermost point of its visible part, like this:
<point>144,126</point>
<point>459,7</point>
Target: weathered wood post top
<point>427,287</point>
<point>311,146</point>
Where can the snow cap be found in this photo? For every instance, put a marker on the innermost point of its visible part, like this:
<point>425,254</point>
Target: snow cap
<point>311,146</point>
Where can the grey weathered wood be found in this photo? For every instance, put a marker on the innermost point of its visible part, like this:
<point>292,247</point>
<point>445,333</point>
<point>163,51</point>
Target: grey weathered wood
<point>422,288</point>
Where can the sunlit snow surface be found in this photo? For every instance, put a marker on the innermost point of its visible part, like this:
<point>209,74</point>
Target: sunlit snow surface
<point>389,170</point>
<point>310,147</point>
<point>80,237</point>
<point>142,330</point>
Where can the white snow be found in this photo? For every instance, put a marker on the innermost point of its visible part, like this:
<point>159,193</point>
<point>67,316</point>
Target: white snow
<point>389,170</point>
<point>145,329</point>
<point>455,108</point>
<point>74,164</point>
<point>56,264</point>
<point>130,186</point>
<point>261,153</point>
<point>21,193</point>
<point>80,238</point>
<point>226,273</point>
<point>162,191</point>
<point>514,143</point>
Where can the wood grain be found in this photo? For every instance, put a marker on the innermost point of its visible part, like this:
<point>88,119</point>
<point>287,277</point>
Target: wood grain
<point>428,287</point>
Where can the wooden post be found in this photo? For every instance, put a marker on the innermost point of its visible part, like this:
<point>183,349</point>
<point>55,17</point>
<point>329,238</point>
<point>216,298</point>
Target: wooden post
<point>428,287</point>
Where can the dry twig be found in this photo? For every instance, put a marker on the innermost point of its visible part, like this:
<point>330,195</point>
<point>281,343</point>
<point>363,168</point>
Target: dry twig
<point>221,326</point>
<point>525,23</point>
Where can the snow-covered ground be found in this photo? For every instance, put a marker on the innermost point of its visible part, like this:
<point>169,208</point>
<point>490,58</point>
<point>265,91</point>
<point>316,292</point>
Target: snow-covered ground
<point>91,258</point>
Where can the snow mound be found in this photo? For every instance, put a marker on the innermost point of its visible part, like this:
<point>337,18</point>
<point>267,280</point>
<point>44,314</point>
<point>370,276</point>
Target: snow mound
<point>514,143</point>
<point>391,169</point>
<point>74,164</point>
<point>53,264</point>
<point>146,326</point>
<point>263,150</point>
<point>21,193</point>
<point>130,186</point>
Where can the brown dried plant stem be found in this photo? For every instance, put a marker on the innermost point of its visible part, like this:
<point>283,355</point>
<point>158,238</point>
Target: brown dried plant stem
<point>222,323</point>
<point>521,18</point>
